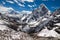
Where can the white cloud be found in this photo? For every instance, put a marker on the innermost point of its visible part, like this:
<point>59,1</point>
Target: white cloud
<point>28,12</point>
<point>3,2</point>
<point>29,6</point>
<point>54,7</point>
<point>10,1</point>
<point>19,3</point>
<point>5,9</point>
<point>16,1</point>
<point>28,0</point>
<point>24,1</point>
<point>32,5</point>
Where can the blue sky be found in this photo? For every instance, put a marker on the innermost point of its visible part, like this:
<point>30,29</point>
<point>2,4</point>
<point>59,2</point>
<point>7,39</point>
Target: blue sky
<point>29,5</point>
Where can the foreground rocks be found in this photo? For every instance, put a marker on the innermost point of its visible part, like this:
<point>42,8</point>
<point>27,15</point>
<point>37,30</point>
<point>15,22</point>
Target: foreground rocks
<point>13,35</point>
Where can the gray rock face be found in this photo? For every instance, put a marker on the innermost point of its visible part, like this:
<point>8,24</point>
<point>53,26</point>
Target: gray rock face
<point>55,22</point>
<point>40,11</point>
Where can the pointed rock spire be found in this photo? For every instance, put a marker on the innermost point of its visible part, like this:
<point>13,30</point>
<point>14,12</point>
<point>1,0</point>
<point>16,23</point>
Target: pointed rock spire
<point>43,8</point>
<point>41,11</point>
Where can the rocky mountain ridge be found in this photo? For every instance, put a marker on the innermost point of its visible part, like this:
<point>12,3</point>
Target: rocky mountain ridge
<point>40,21</point>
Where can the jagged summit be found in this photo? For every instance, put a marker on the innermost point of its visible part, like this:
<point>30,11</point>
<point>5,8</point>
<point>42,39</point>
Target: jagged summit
<point>41,11</point>
<point>43,7</point>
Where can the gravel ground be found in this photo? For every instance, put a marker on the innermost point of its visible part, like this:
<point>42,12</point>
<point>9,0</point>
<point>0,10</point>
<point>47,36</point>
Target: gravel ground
<point>13,35</point>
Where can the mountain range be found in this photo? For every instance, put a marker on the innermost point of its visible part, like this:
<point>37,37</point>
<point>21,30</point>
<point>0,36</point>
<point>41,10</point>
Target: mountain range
<point>40,19</point>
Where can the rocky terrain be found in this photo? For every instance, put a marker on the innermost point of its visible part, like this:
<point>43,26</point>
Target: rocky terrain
<point>41,24</point>
<point>13,35</point>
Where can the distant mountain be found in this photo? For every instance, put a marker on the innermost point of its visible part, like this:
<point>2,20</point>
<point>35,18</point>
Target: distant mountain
<point>41,11</point>
<point>10,10</point>
<point>41,18</point>
<point>37,17</point>
<point>13,12</point>
<point>5,9</point>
